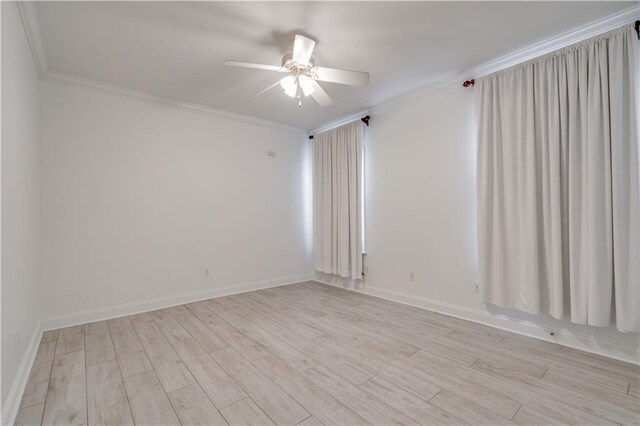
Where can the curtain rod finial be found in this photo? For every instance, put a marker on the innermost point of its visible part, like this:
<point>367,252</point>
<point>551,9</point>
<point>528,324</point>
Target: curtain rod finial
<point>468,83</point>
<point>365,120</point>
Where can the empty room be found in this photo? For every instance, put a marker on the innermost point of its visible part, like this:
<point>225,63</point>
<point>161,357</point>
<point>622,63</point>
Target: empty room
<point>320,213</point>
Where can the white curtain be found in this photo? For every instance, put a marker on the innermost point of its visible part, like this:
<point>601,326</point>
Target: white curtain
<point>337,190</point>
<point>558,183</point>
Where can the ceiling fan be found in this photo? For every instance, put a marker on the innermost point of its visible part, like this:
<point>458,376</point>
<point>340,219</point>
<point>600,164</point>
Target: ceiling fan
<point>303,74</point>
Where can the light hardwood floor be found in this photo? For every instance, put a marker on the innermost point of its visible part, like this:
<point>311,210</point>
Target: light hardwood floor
<point>312,354</point>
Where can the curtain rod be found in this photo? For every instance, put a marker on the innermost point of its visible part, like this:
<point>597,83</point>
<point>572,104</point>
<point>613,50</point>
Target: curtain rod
<point>472,82</point>
<point>364,119</point>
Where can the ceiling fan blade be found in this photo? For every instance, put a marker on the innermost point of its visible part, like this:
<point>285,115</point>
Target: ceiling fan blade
<point>256,66</point>
<point>266,89</point>
<point>320,95</point>
<point>333,75</point>
<point>302,50</point>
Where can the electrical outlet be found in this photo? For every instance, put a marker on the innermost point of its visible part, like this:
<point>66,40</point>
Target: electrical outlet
<point>412,276</point>
<point>271,153</point>
<point>206,273</point>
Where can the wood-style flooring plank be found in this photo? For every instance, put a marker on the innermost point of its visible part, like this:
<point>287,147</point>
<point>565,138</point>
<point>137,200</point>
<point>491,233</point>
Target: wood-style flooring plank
<point>205,336</point>
<point>240,342</point>
<point>600,411</point>
<point>96,327</point>
<point>35,391</point>
<point>594,360</point>
<point>319,403</point>
<point>529,417</point>
<point>170,327</point>
<point>615,381</point>
<point>277,347</point>
<point>420,383</point>
<point>29,416</point>
<point>278,405</point>
<point>407,373</point>
<point>634,390</point>
<point>67,395</point>
<point>70,339</point>
<point>512,369</point>
<point>169,368</point>
<point>604,394</point>
<point>119,322</point>
<point>295,320</point>
<point>149,403</point>
<point>129,351</point>
<point>219,307</point>
<point>193,407</point>
<point>515,389</point>
<point>98,345</point>
<point>245,412</point>
<point>50,336</point>
<point>310,421</point>
<point>106,398</point>
<point>419,410</point>
<point>178,310</point>
<point>343,368</point>
<point>215,382</point>
<point>361,402</point>
<point>466,410</point>
<point>427,342</point>
<point>393,344</point>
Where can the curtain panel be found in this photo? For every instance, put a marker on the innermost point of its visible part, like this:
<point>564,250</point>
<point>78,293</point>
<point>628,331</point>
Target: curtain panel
<point>558,183</point>
<point>337,201</point>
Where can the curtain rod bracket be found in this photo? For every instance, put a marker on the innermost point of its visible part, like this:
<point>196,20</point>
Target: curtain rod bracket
<point>637,26</point>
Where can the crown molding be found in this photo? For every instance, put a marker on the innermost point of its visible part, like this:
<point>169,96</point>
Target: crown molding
<point>577,35</point>
<point>29,17</point>
<point>73,80</point>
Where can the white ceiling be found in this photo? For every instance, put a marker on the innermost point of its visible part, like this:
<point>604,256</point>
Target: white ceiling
<point>177,49</point>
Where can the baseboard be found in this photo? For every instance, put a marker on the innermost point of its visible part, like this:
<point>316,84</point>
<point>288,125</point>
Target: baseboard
<point>526,328</point>
<point>115,311</point>
<point>12,403</point>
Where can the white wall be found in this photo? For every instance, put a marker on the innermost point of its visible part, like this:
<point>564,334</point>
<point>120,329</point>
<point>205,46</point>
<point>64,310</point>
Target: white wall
<point>20,194</point>
<point>421,217</point>
<point>140,198</point>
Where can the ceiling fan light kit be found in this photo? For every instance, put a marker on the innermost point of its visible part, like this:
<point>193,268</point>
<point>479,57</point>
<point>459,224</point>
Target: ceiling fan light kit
<point>299,79</point>
<point>290,85</point>
<point>306,85</point>
<point>304,74</point>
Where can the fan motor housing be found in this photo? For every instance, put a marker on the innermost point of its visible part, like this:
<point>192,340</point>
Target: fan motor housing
<point>287,62</point>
